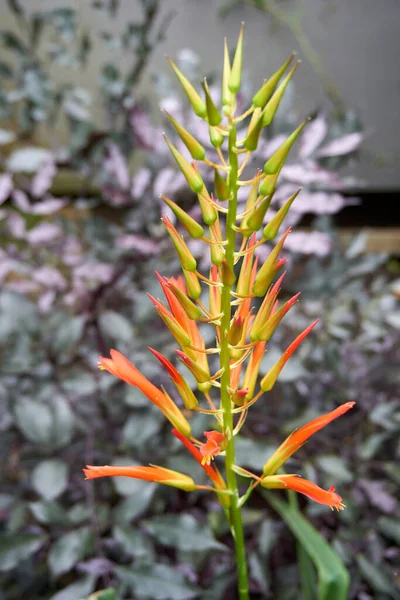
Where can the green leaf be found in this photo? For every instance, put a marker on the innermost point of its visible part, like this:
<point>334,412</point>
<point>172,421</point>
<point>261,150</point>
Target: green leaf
<point>183,532</point>
<point>158,582</point>
<point>116,326</point>
<point>251,453</point>
<point>335,466</point>
<point>137,503</point>
<point>34,419</point>
<point>63,422</point>
<point>28,159</point>
<point>49,513</point>
<point>390,528</point>
<point>132,541</point>
<point>78,589</point>
<point>50,478</point>
<point>107,594</point>
<point>68,550</point>
<point>377,578</point>
<point>18,547</point>
<point>333,577</point>
<point>68,334</point>
<point>6,137</point>
<point>139,429</point>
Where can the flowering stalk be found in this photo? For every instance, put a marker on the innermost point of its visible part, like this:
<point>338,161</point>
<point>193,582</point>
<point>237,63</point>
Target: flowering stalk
<point>242,333</point>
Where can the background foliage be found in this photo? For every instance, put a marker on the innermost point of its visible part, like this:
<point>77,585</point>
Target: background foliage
<point>80,224</point>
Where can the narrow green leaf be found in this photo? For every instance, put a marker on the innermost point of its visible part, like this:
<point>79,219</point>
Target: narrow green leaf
<point>333,577</point>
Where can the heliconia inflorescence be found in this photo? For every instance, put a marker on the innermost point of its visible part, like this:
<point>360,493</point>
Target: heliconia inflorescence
<point>241,302</point>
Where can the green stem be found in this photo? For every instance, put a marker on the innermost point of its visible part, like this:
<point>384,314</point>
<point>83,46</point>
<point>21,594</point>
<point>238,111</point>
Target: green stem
<point>226,404</point>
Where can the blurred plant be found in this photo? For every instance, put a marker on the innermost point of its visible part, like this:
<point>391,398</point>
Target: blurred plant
<point>240,336</point>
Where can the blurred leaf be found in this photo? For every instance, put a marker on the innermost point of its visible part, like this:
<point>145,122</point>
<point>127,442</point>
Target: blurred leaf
<point>378,579</point>
<point>183,532</point>
<point>68,334</point>
<point>252,453</point>
<point>10,41</point>
<point>116,326</point>
<point>107,594</point>
<point>49,513</point>
<point>75,590</point>
<point>335,466</point>
<point>140,496</point>
<point>390,528</point>
<point>18,547</point>
<point>50,478</point>
<point>158,582</point>
<point>6,137</point>
<point>34,419</point>
<point>15,6</point>
<point>333,577</point>
<point>28,159</point>
<point>139,429</point>
<point>133,541</point>
<point>68,550</point>
<point>127,486</point>
<point>259,572</point>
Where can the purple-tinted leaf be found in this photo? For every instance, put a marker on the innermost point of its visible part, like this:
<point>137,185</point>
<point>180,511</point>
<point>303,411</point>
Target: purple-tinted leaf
<point>48,206</point>
<point>6,186</point>
<point>146,247</point>
<point>315,242</point>
<point>16,225</point>
<point>21,201</point>
<point>116,164</point>
<point>168,181</point>
<point>44,233</point>
<point>319,203</point>
<point>313,136</point>
<point>43,178</point>
<point>96,566</point>
<point>49,277</point>
<point>378,496</point>
<point>140,181</point>
<point>344,145</point>
<point>99,272</point>
<point>45,302</point>
<point>149,137</point>
<point>309,174</point>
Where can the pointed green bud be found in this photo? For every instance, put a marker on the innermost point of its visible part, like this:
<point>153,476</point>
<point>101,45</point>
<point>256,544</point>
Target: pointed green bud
<point>186,258</point>
<point>192,284</point>
<point>257,216</point>
<point>216,137</point>
<point>197,103</point>
<point>271,230</point>
<point>254,130</point>
<point>236,71</point>
<point>251,200</point>
<point>194,229</point>
<point>265,92</point>
<point>272,106</point>
<point>214,116</point>
<point>221,186</point>
<point>192,310</point>
<point>263,276</point>
<point>191,174</point>
<point>226,93</point>
<point>277,160</point>
<point>195,148</point>
<point>216,252</point>
<point>228,277</point>
<point>268,184</point>
<point>235,331</point>
<point>209,213</point>
<point>269,327</point>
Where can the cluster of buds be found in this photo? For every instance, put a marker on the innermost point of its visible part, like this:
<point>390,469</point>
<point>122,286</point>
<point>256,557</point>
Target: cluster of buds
<point>238,297</point>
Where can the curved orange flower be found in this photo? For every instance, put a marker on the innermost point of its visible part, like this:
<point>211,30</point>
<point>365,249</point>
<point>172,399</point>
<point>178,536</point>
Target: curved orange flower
<point>303,486</point>
<point>213,446</point>
<point>152,473</point>
<point>299,437</point>
<point>120,366</point>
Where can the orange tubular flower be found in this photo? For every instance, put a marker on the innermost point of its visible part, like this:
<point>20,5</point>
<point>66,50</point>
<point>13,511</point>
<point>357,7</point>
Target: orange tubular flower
<point>308,488</point>
<point>216,442</point>
<point>212,472</point>
<point>189,399</point>
<point>120,366</point>
<point>152,473</point>
<point>299,437</point>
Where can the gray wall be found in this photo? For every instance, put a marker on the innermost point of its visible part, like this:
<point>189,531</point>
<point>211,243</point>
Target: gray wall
<point>357,40</point>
